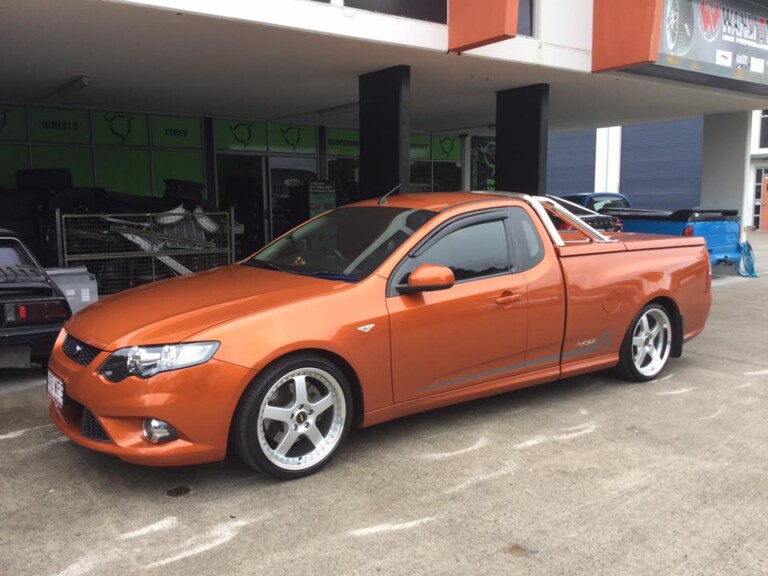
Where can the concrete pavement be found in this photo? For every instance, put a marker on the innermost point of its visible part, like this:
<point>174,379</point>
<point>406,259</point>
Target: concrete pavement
<point>586,476</point>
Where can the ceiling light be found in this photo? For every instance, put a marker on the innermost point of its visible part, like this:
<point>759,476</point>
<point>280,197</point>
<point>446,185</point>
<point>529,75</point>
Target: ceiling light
<point>73,86</point>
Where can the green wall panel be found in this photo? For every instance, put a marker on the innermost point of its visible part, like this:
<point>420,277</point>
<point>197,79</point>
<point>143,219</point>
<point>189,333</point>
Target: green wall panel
<point>176,132</point>
<point>12,158</point>
<point>176,165</point>
<point>292,139</point>
<point>240,135</point>
<point>446,148</point>
<point>60,126</point>
<point>127,171</point>
<point>421,147</point>
<point>343,142</point>
<point>13,123</point>
<point>120,129</point>
<point>77,159</point>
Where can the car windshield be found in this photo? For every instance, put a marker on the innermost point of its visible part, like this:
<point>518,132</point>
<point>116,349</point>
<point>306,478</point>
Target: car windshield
<point>572,207</point>
<point>11,253</point>
<point>601,202</point>
<point>344,244</point>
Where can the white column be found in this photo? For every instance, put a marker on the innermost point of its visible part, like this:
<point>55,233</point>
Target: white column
<point>608,159</point>
<point>725,172</point>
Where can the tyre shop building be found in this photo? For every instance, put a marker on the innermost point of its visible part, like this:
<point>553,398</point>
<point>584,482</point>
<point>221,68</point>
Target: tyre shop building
<point>282,108</point>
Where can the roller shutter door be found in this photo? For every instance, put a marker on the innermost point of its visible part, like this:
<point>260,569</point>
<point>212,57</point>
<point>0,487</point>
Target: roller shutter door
<point>571,162</point>
<point>661,164</point>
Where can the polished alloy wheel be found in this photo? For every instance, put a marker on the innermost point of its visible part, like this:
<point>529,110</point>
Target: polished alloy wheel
<point>301,419</point>
<point>673,25</point>
<point>651,342</point>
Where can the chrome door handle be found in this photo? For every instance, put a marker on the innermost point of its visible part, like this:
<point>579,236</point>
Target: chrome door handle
<point>508,298</point>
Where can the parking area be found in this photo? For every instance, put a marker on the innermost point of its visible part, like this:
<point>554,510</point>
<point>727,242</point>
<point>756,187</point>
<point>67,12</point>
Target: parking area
<point>589,475</point>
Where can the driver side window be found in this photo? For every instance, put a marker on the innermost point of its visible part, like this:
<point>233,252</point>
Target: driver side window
<point>475,251</point>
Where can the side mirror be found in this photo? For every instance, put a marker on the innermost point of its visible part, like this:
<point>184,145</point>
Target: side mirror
<point>428,278</point>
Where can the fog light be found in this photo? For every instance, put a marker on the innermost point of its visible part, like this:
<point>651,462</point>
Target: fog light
<point>158,431</point>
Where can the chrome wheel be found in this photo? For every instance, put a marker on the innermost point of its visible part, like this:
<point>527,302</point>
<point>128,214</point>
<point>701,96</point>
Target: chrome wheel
<point>651,342</point>
<point>673,22</point>
<point>301,419</point>
<point>679,24</point>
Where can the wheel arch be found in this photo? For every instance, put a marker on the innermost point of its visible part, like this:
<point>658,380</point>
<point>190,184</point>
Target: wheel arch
<point>354,382</point>
<point>677,323</point>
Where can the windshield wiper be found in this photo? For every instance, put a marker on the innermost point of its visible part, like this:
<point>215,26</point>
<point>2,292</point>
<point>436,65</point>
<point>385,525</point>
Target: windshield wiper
<point>327,275</point>
<point>262,264</point>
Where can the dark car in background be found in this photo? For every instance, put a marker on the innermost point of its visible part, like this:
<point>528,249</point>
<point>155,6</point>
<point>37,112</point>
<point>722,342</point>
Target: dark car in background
<point>602,222</point>
<point>599,201</point>
<point>33,308</point>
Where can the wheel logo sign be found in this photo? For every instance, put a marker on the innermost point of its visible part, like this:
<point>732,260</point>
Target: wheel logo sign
<point>710,19</point>
<point>292,136</point>
<point>446,145</point>
<point>242,132</point>
<point>120,125</point>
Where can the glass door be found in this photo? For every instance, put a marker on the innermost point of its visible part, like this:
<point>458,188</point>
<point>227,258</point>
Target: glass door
<point>241,180</point>
<point>290,178</point>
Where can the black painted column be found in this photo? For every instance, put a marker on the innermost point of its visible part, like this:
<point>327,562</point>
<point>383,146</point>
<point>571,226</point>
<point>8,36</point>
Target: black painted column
<point>385,131</point>
<point>522,122</point>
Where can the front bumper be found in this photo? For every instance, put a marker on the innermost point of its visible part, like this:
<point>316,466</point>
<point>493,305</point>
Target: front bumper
<point>198,402</point>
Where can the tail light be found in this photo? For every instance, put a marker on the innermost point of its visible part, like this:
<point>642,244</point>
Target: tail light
<point>688,230</point>
<point>23,312</point>
<point>618,224</point>
<point>708,284</point>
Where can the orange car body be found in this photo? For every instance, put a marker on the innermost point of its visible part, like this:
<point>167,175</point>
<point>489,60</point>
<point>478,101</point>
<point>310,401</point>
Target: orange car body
<point>403,353</point>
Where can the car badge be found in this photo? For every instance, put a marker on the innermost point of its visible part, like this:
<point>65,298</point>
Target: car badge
<point>367,328</point>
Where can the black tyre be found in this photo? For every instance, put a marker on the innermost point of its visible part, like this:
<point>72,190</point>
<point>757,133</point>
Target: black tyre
<point>293,417</point>
<point>646,347</point>
<point>679,26</point>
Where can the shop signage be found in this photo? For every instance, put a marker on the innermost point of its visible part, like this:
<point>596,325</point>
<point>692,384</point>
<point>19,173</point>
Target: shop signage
<point>292,139</point>
<point>58,125</point>
<point>322,197</point>
<point>120,129</point>
<point>421,147</point>
<point>343,142</point>
<point>240,135</point>
<point>446,148</point>
<point>726,38</point>
<point>176,132</point>
<point>13,123</point>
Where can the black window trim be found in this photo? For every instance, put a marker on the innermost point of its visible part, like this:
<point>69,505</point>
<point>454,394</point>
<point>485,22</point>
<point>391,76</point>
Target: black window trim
<point>461,221</point>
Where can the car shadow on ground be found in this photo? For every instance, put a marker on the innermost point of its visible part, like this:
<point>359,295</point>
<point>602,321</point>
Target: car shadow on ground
<point>385,441</point>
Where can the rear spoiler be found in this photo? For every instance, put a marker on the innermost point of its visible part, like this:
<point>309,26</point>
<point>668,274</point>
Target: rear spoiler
<point>685,215</point>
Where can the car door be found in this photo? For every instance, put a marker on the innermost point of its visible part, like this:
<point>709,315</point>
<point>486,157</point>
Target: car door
<point>473,332</point>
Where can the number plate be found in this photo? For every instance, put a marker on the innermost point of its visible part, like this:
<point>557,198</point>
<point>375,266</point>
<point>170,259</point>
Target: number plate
<point>56,389</point>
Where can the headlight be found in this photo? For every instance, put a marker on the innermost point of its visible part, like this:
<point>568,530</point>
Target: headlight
<point>146,361</point>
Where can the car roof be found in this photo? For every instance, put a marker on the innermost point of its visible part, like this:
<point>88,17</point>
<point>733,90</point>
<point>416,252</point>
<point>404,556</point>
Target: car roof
<point>436,201</point>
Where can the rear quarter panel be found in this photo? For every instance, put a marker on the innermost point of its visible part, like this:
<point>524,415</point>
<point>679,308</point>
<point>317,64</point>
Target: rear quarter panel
<point>606,291</point>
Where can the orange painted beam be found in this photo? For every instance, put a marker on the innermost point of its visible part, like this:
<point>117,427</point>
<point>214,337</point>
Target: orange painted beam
<point>475,23</point>
<point>626,33</point>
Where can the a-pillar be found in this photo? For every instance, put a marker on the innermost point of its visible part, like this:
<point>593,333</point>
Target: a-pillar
<point>725,181</point>
<point>522,122</point>
<point>385,131</point>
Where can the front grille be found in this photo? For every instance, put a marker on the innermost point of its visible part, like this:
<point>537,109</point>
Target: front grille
<point>90,427</point>
<point>78,351</point>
